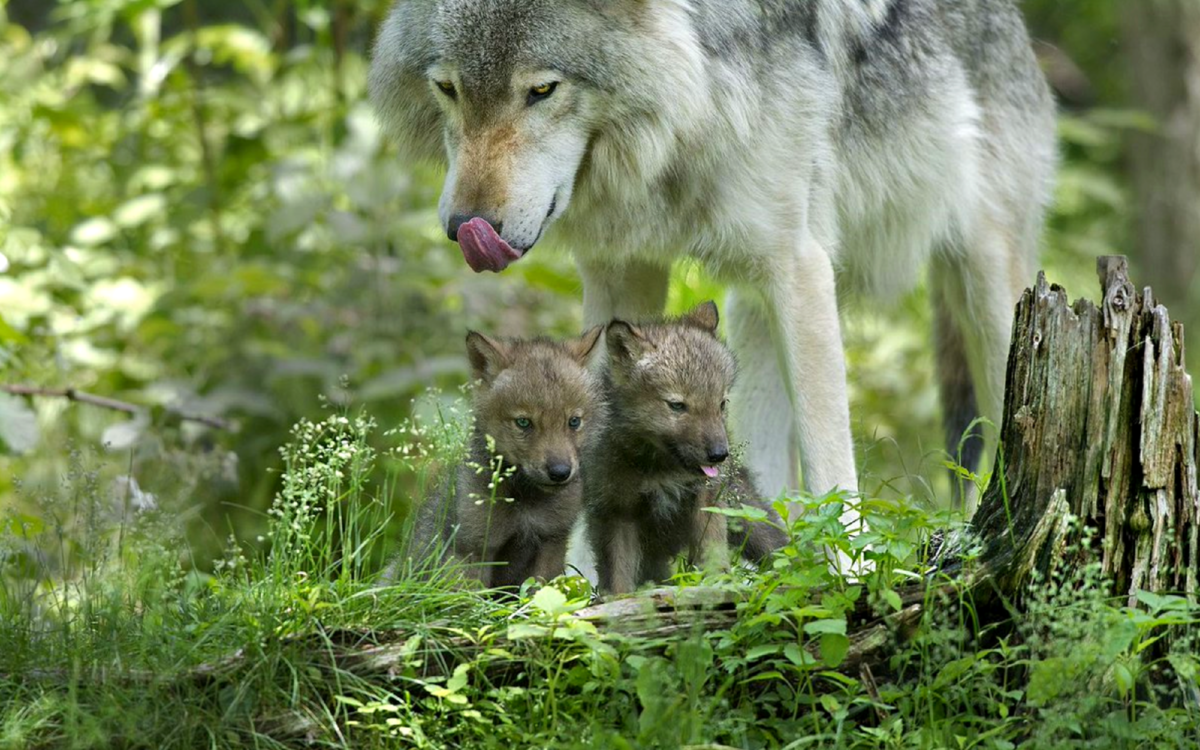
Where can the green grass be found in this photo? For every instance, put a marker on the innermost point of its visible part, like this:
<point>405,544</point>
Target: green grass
<point>108,639</point>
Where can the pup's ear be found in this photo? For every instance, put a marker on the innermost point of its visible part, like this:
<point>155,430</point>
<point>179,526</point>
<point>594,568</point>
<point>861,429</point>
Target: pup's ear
<point>626,342</point>
<point>488,357</point>
<point>583,347</point>
<point>703,316</point>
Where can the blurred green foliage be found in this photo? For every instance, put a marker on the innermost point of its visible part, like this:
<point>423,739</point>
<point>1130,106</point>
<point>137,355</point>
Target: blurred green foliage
<point>198,213</point>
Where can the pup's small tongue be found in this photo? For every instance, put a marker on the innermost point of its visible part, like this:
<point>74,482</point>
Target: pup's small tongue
<point>483,248</point>
<point>711,472</point>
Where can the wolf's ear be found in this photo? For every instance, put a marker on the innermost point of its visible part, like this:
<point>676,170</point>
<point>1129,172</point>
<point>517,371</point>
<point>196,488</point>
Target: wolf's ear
<point>488,356</point>
<point>583,347</point>
<point>703,316</point>
<point>626,342</point>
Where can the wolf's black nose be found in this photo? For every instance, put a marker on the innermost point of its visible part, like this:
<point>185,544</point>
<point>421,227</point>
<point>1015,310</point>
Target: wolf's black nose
<point>457,220</point>
<point>558,472</point>
<point>718,453</point>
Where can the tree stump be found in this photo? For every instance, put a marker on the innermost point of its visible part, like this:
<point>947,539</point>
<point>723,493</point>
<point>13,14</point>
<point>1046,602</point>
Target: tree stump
<point>1099,425</point>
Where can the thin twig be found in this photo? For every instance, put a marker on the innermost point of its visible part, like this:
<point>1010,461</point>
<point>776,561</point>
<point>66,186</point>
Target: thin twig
<point>72,394</point>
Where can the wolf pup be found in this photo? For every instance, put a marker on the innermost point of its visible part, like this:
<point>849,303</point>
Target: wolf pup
<point>780,143</point>
<point>657,463</point>
<point>539,404</point>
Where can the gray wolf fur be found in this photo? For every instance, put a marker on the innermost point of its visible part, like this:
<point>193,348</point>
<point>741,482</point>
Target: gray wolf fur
<point>540,404</point>
<point>792,146</point>
<point>654,468</point>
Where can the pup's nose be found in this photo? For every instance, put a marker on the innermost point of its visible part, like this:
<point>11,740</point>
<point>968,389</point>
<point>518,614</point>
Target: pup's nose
<point>457,220</point>
<point>718,453</point>
<point>558,472</point>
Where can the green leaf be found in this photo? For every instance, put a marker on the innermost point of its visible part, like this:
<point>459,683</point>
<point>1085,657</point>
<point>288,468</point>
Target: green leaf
<point>818,627</point>
<point>550,601</point>
<point>830,704</point>
<point>834,648</point>
<point>18,424</point>
<point>893,599</point>
<point>10,335</point>
<point>799,656</point>
<point>759,652</point>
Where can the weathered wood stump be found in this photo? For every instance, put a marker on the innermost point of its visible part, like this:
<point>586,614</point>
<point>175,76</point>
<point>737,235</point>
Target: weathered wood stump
<point>1099,425</point>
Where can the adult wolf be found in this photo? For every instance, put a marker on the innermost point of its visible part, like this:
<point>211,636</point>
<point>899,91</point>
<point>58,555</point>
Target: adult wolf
<point>778,141</point>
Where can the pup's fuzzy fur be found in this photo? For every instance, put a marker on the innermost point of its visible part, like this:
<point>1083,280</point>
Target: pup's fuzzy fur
<point>646,484</point>
<point>541,406</point>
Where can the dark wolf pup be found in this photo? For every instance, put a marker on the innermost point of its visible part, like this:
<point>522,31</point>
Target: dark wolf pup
<point>539,404</point>
<point>658,461</point>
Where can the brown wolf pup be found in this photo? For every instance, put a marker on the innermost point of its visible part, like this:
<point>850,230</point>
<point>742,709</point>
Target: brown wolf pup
<point>656,465</point>
<point>539,404</point>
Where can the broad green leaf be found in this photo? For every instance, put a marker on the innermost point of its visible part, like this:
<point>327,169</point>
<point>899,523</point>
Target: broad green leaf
<point>893,599</point>
<point>825,626</point>
<point>550,601</point>
<point>759,652</point>
<point>799,656</point>
<point>10,335</point>
<point>834,648</point>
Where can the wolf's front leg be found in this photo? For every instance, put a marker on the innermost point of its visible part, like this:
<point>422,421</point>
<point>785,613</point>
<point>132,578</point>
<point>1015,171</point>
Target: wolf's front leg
<point>761,411</point>
<point>551,560</point>
<point>802,302</point>
<point>618,555</point>
<point>631,292</point>
<point>710,540</point>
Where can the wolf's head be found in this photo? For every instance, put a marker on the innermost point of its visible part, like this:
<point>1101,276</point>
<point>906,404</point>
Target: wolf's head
<point>670,384</point>
<point>520,95</point>
<point>538,401</point>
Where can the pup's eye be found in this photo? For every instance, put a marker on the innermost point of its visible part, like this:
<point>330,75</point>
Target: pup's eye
<point>447,88</point>
<point>574,423</point>
<point>724,404</point>
<point>525,423</point>
<point>538,93</point>
<point>677,406</point>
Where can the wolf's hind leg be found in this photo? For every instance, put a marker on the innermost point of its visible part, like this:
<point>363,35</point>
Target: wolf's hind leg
<point>956,390</point>
<point>977,287</point>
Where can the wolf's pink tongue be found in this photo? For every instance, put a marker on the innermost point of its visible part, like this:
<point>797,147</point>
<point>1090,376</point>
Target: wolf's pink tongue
<point>483,249</point>
<point>711,472</point>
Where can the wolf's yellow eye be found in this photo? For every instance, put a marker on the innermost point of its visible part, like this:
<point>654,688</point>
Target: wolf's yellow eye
<point>538,93</point>
<point>447,88</point>
<point>524,423</point>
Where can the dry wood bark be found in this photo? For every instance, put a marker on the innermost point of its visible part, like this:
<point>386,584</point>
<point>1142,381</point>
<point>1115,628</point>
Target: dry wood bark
<point>1099,426</point>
